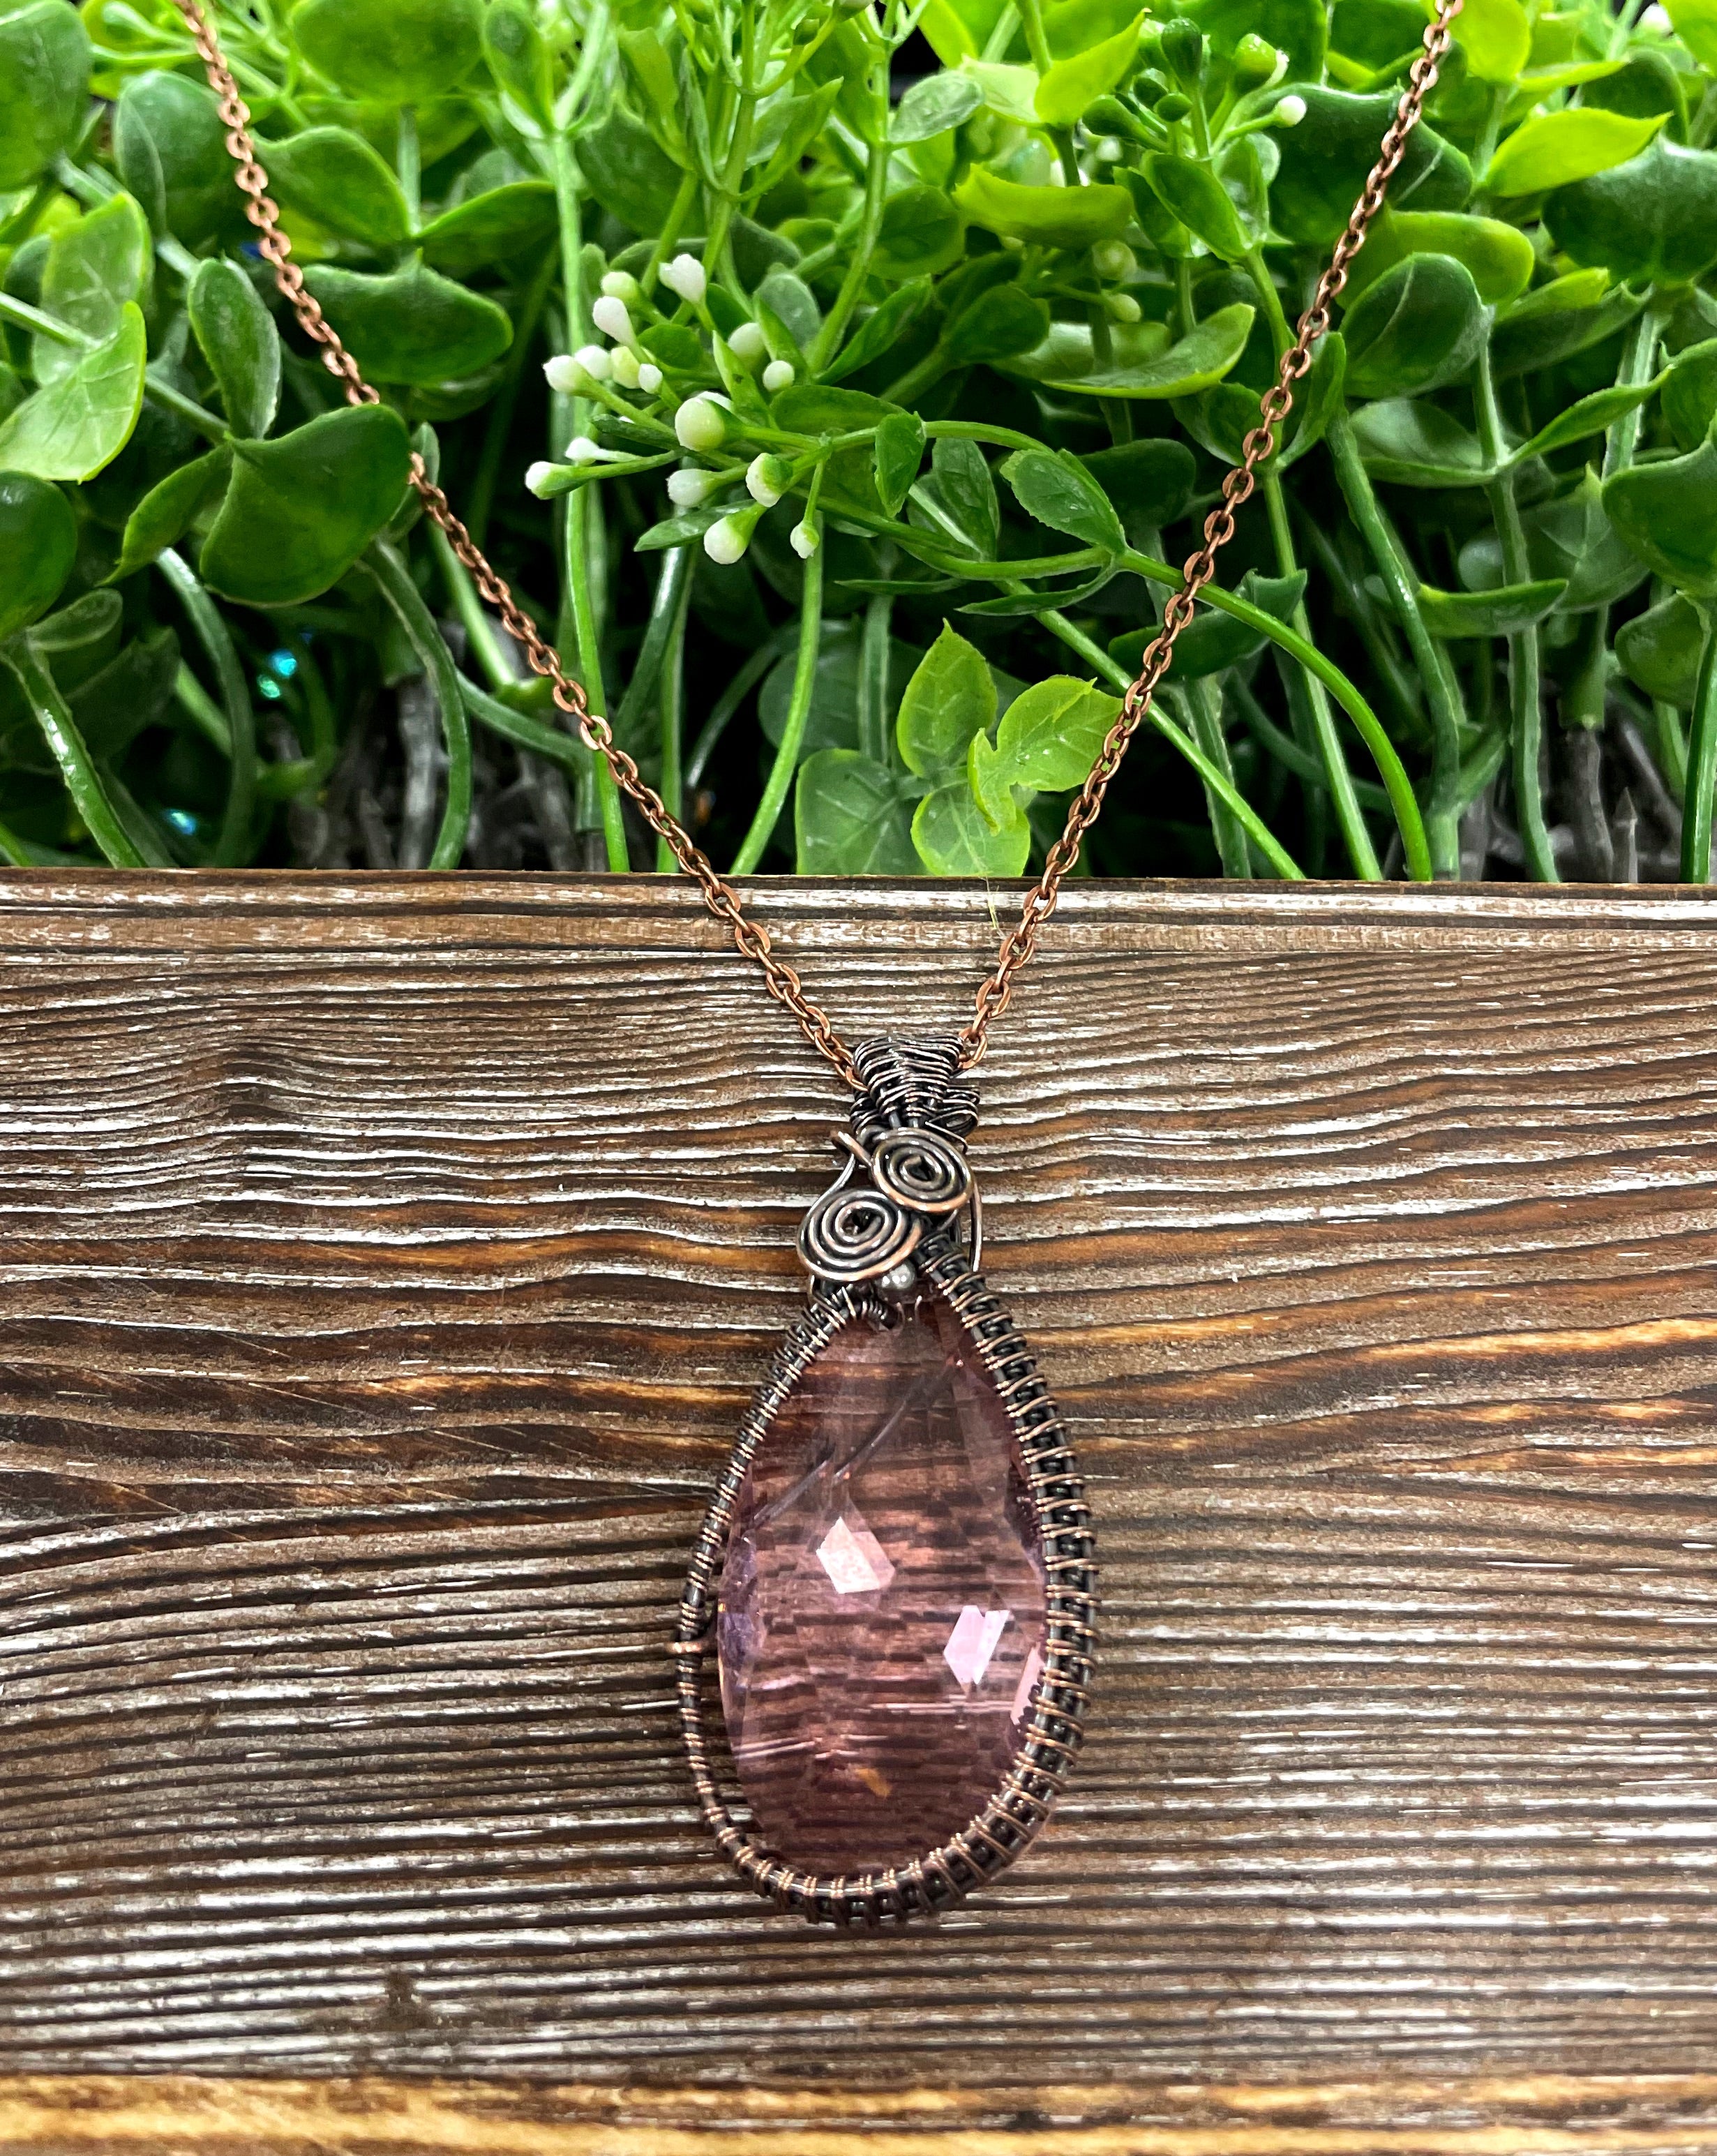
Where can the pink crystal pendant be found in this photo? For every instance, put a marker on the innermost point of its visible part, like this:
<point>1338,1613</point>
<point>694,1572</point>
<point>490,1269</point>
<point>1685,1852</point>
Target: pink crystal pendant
<point>897,1574</point>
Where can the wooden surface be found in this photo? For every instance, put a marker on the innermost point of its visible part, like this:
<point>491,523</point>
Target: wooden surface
<point>383,1265</point>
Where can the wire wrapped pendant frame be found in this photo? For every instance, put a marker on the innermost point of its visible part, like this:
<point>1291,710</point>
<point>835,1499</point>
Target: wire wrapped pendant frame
<point>912,1093</point>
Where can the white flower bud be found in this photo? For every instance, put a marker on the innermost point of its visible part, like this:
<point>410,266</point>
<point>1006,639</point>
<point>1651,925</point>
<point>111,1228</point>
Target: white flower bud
<point>596,360</point>
<point>623,361</point>
<point>700,423</point>
<point>649,377</point>
<point>1121,307</point>
<point>767,479</point>
<point>1108,151</point>
<point>726,540</point>
<point>564,373</point>
<point>805,539</point>
<point>690,488</point>
<point>747,342</point>
<point>1289,111</point>
<point>611,319</point>
<point>685,277</point>
<point>581,450</point>
<point>1657,20</point>
<point>622,284</point>
<point>1113,261</point>
<point>778,375</point>
<point>538,474</point>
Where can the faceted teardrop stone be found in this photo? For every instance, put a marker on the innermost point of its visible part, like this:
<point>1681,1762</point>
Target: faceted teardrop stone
<point>881,1610</point>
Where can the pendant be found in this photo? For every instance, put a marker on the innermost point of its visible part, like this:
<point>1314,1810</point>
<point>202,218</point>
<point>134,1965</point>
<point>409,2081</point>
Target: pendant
<point>897,1572</point>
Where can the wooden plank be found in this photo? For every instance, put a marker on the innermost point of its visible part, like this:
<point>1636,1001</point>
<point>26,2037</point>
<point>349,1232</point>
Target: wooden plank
<point>1540,2115</point>
<point>384,1263</point>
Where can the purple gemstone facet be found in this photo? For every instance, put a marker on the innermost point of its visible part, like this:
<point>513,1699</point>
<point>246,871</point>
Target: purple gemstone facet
<point>881,1610</point>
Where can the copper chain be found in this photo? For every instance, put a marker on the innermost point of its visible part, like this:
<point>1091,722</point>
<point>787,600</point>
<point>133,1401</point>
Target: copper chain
<point>723,901</point>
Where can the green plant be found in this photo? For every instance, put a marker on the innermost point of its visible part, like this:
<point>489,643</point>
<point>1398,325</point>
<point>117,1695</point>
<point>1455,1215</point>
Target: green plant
<point>879,408</point>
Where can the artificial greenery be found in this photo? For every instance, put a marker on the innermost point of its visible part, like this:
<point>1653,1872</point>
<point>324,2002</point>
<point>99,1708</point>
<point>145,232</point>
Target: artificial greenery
<point>841,385</point>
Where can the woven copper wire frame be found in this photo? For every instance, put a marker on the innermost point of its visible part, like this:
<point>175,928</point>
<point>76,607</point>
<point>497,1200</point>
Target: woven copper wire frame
<point>1013,1817</point>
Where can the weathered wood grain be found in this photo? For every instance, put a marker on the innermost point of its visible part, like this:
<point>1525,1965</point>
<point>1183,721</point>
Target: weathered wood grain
<point>383,1264</point>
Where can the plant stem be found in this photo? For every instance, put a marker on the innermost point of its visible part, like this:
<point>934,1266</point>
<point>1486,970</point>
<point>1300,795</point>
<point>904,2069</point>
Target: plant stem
<point>474,619</point>
<point>59,730</point>
<point>1639,356</point>
<point>1526,686</point>
<point>670,705</point>
<point>576,527</point>
<point>520,728</point>
<point>409,164</point>
<point>1217,781</point>
<point>873,651</point>
<point>235,842</point>
<point>667,607</point>
<point>1288,752</point>
<point>499,422</point>
<point>876,176</point>
<point>1415,847</point>
<point>1441,822</point>
<point>787,756</point>
<point>1201,705</point>
<point>1337,776</point>
<point>433,655</point>
<point>1701,768</point>
<point>160,393</point>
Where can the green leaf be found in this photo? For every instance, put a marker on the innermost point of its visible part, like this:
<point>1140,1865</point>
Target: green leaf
<point>166,513</point>
<point>958,499</point>
<point>44,64</point>
<point>1044,217</point>
<point>1653,219</point>
<point>1072,84</point>
<point>955,837</point>
<point>812,408</point>
<point>1555,149</point>
<point>1588,415</point>
<point>1211,642</point>
<point>1418,327</point>
<point>491,227</point>
<point>1048,738</point>
<point>237,334</point>
<point>131,692</point>
<point>1496,37</point>
<point>1055,488</point>
<point>954,27</point>
<point>932,106</point>
<point>1453,616</point>
<point>1324,161</point>
<point>1140,367</point>
<point>787,310</point>
<point>301,510</point>
<point>1415,444</point>
<point>171,149</point>
<point>849,818</point>
<point>627,171</point>
<point>1293,27</point>
<point>333,178</point>
<point>919,235</point>
<point>951,697</point>
<point>1193,194</point>
<point>1009,92</point>
<point>900,451</point>
<point>1499,257</point>
<point>399,52</point>
<point>79,422</point>
<point>1690,393</point>
<point>880,332</point>
<point>412,325</point>
<point>1696,26</point>
<point>999,324</point>
<point>1661,651</point>
<point>97,267</point>
<point>1149,480</point>
<point>1666,515</point>
<point>519,60</point>
<point>38,544</point>
<point>1560,318</point>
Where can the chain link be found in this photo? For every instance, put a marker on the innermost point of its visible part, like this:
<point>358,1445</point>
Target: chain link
<point>750,936</point>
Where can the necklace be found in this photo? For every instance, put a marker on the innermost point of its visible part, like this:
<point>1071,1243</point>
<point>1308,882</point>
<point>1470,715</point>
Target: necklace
<point>897,1571</point>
